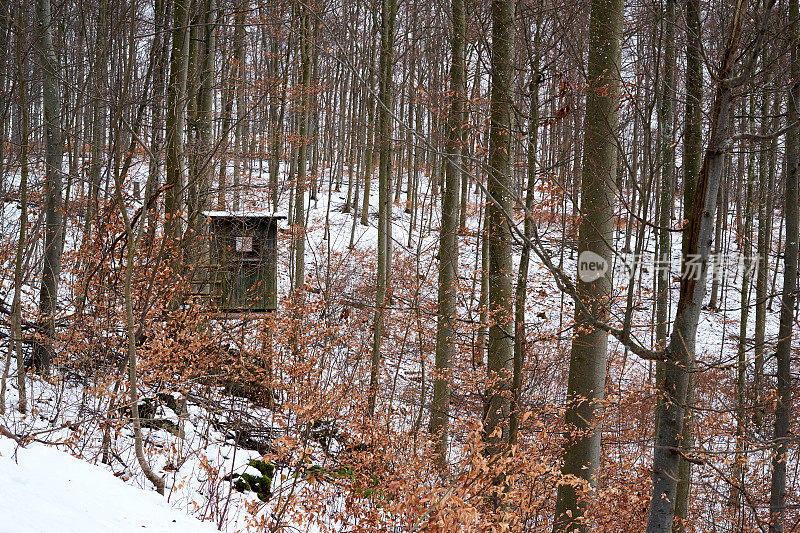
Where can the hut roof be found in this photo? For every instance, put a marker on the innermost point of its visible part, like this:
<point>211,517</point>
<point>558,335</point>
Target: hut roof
<point>244,214</point>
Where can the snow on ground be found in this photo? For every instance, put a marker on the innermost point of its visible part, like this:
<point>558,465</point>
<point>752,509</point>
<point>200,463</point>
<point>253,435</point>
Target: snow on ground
<point>42,489</point>
<point>47,490</point>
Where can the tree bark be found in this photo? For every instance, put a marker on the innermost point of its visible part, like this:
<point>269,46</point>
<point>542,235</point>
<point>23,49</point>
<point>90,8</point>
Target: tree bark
<point>385,97</point>
<point>783,351</point>
<point>448,246</point>
<point>666,119</point>
<point>692,160</point>
<point>157,111</point>
<point>53,202</point>
<point>766,195</point>
<point>520,296</point>
<point>16,306</point>
<point>176,111</point>
<point>500,356</point>
<point>240,126</point>
<point>227,112</point>
<point>587,369</point>
<point>204,148</point>
<point>298,227</point>
<point>680,350</point>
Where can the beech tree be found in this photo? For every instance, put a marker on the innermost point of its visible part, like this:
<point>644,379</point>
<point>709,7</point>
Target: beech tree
<point>777,501</point>
<point>384,105</point>
<point>462,311</point>
<point>176,115</point>
<point>500,355</point>
<point>53,201</point>
<point>587,369</point>
<point>681,347</point>
<point>448,242</point>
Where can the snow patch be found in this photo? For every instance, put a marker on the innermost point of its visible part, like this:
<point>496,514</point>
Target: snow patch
<point>44,489</point>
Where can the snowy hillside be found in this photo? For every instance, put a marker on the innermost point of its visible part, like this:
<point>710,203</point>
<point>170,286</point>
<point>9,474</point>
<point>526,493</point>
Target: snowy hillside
<point>524,266</point>
<point>47,490</point>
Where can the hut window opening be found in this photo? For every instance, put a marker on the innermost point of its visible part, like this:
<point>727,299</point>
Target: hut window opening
<point>244,244</point>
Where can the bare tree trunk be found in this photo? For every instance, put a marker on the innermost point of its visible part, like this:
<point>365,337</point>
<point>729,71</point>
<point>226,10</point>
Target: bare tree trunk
<point>666,119</point>
<point>783,352</point>
<point>500,356</point>
<point>176,111</point>
<point>448,246</point>
<point>157,111</point>
<point>206,102</point>
<point>100,82</point>
<point>276,110</point>
<point>16,306</point>
<point>53,202</point>
<point>227,110</point>
<point>369,156</point>
<point>520,296</point>
<point>479,350</point>
<point>680,350</point>
<point>692,161</point>
<point>388,14</point>
<point>745,250</point>
<point>587,369</point>
<point>666,115</point>
<point>298,227</point>
<point>203,168</point>
<point>762,256</point>
<point>239,84</point>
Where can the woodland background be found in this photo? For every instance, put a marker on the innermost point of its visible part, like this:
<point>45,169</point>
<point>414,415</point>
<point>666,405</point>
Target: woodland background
<point>435,362</point>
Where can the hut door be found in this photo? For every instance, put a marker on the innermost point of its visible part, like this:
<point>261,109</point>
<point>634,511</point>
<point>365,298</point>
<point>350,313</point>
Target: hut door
<point>247,290</point>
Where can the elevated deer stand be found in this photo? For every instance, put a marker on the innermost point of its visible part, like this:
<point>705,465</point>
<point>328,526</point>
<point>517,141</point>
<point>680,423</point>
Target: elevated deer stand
<point>242,269</point>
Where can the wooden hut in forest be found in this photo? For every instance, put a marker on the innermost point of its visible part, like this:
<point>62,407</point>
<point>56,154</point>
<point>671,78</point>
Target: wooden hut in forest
<point>243,260</point>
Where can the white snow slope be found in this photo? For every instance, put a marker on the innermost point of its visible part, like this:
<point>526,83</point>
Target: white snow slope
<point>46,490</point>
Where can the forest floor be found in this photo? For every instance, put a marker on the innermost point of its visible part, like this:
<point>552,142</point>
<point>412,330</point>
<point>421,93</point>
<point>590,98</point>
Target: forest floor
<point>45,489</point>
<point>201,448</point>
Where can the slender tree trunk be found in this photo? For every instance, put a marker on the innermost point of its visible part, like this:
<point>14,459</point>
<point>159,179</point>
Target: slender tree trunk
<point>479,351</point>
<point>53,201</point>
<point>276,111</point>
<point>227,112</point>
<point>157,111</point>
<point>176,112</point>
<point>745,251</point>
<point>16,306</point>
<point>466,142</point>
<point>298,227</point>
<point>666,119</point>
<point>587,369</point>
<point>193,90</point>
<point>500,355</point>
<point>388,14</point>
<point>369,156</point>
<point>783,351</point>
<point>448,246</point>
<point>100,82</point>
<point>766,206</point>
<point>692,161</point>
<point>522,277</point>
<point>203,145</point>
<point>718,273</point>
<point>680,350</point>
<point>240,126</point>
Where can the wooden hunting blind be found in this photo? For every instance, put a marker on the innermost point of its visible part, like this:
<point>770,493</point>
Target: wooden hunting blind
<point>243,260</point>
